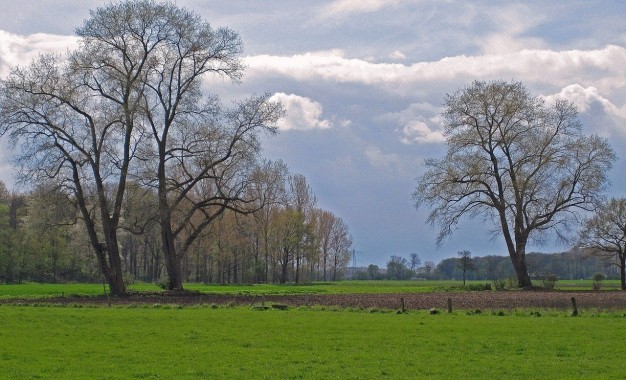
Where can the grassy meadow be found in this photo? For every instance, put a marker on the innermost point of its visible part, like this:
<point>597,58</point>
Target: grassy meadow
<point>222,342</point>
<point>35,290</point>
<point>158,341</point>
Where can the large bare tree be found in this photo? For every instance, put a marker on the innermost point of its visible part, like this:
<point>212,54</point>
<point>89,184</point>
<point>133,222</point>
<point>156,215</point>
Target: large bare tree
<point>604,235</point>
<point>201,154</point>
<point>76,117</point>
<point>516,161</point>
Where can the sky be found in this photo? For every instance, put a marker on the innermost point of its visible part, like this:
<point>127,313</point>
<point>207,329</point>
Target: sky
<point>363,83</point>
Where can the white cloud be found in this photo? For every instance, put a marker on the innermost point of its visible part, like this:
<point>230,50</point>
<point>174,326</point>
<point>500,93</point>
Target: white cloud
<point>581,97</point>
<point>544,66</point>
<point>398,55</point>
<point>584,98</point>
<point>301,113</point>
<point>346,7</point>
<point>420,123</point>
<point>16,49</point>
<point>420,132</point>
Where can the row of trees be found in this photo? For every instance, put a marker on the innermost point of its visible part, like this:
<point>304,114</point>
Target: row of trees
<point>290,240</point>
<point>573,265</point>
<point>124,128</point>
<point>577,263</point>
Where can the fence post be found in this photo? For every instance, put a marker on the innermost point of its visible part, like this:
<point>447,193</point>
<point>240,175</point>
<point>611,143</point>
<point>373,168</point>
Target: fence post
<point>449,305</point>
<point>575,311</point>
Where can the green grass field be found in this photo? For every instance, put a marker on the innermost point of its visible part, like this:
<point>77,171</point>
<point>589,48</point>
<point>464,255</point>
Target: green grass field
<point>240,343</point>
<point>34,290</point>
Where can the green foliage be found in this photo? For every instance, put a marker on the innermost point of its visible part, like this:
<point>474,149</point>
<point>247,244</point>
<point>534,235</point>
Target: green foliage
<point>303,343</point>
<point>549,281</point>
<point>598,278</point>
<point>398,269</point>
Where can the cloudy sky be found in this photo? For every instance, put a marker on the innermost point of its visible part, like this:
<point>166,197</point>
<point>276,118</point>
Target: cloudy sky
<point>363,82</point>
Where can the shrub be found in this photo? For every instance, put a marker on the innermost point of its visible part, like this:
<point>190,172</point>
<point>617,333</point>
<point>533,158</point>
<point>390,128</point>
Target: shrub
<point>499,284</point>
<point>597,280</point>
<point>549,280</point>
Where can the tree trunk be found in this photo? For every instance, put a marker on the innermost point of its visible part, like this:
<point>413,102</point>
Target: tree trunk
<point>517,251</point>
<point>116,279</point>
<point>297,268</point>
<point>622,271</point>
<point>521,269</point>
<point>172,260</point>
<point>172,263</point>
<point>111,268</point>
<point>325,255</point>
<point>284,266</point>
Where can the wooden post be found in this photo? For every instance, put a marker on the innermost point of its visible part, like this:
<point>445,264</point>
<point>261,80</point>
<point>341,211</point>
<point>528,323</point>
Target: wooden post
<point>449,305</point>
<point>575,311</point>
<point>402,304</point>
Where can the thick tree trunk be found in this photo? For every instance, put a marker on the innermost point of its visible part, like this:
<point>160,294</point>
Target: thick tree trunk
<point>521,269</point>
<point>116,279</point>
<point>517,251</point>
<point>107,253</point>
<point>172,259</point>
<point>172,262</point>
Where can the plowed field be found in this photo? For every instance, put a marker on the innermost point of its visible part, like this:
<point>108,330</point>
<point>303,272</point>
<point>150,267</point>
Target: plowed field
<point>412,301</point>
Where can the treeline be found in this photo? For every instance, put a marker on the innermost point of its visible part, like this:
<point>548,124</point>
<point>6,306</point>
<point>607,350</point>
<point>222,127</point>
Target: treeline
<point>288,240</point>
<point>575,264</point>
<point>571,265</point>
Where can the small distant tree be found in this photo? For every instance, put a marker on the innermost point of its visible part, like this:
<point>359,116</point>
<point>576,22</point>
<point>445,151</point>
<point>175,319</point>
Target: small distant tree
<point>597,280</point>
<point>428,268</point>
<point>414,261</point>
<point>373,271</point>
<point>397,268</point>
<point>466,263</point>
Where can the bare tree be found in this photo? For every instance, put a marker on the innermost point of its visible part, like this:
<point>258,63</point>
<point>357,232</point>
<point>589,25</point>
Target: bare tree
<point>324,221</point>
<point>465,262</point>
<point>200,154</point>
<point>340,247</point>
<point>516,161</point>
<point>286,235</point>
<point>75,118</point>
<point>604,235</point>
<point>414,261</point>
<point>270,179</point>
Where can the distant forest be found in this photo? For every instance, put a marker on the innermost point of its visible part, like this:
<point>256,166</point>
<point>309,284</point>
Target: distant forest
<point>572,265</point>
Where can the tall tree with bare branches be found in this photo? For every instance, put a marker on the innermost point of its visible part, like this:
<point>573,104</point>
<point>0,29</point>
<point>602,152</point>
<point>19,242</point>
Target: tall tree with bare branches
<point>514,160</point>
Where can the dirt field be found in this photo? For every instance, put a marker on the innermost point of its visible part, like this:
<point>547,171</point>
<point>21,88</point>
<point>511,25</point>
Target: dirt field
<point>460,300</point>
